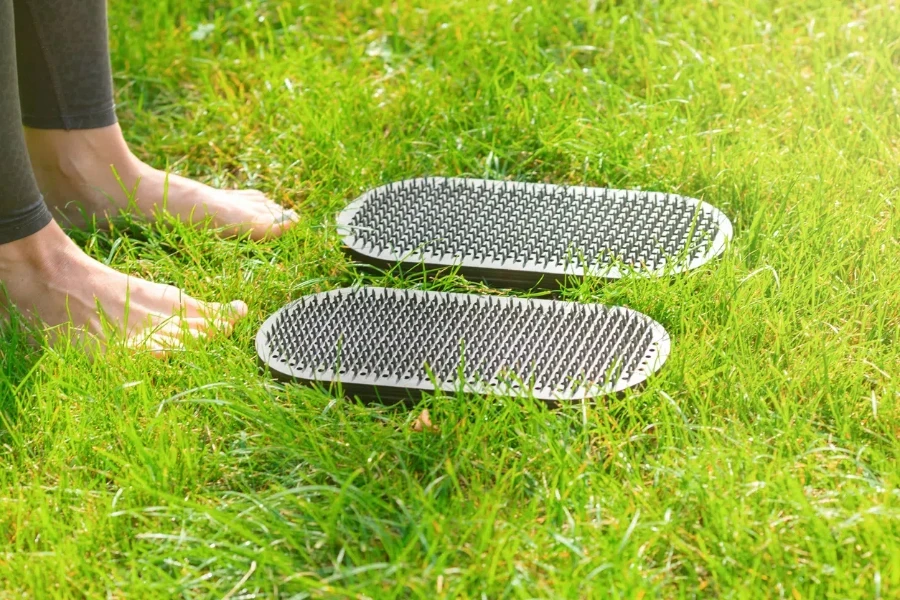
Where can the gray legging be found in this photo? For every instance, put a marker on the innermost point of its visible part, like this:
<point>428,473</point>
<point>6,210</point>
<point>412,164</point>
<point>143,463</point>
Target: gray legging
<point>61,57</point>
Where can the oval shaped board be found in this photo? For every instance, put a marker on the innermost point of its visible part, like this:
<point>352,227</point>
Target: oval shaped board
<point>530,234</point>
<point>394,344</point>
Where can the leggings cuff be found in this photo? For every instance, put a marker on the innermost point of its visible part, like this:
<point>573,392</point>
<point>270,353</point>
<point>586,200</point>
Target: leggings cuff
<point>24,221</point>
<point>93,120</point>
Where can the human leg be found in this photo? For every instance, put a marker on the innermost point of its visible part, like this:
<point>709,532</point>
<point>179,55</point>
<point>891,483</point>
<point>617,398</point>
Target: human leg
<point>22,210</point>
<point>49,279</point>
<point>80,157</point>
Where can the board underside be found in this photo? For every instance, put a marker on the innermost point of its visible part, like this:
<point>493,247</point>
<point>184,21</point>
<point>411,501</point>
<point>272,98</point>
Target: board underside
<point>389,345</point>
<point>526,235</point>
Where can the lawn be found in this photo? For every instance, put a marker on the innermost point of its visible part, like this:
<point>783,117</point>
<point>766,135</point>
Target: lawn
<point>760,462</point>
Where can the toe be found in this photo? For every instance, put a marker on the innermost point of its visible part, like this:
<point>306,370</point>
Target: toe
<point>238,212</point>
<point>171,329</point>
<point>211,327</point>
<point>162,346</point>
<point>286,217</point>
<point>273,220</point>
<point>157,344</point>
<point>178,330</point>
<point>167,335</point>
<point>265,232</point>
<point>229,312</point>
<point>165,301</point>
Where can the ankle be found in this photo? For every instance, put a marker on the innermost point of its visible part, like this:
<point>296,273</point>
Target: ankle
<point>79,155</point>
<point>46,251</point>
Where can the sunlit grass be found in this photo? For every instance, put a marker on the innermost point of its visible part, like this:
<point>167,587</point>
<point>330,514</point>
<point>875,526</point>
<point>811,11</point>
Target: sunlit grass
<point>760,462</point>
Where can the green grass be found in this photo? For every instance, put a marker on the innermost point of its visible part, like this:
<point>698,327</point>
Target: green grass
<point>761,462</point>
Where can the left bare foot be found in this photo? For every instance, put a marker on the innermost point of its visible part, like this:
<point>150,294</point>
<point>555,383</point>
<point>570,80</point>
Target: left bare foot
<point>54,284</point>
<point>74,170</point>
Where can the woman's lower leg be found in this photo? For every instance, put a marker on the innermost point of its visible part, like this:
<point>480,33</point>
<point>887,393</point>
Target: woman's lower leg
<point>80,158</point>
<point>22,210</point>
<point>46,277</point>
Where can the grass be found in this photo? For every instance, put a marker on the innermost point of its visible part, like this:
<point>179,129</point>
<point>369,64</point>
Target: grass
<point>761,462</point>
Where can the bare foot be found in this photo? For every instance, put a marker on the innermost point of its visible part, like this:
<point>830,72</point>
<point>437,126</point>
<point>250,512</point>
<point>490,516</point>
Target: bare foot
<point>74,170</point>
<point>50,280</point>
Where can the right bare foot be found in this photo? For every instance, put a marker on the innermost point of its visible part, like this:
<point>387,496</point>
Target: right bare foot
<point>50,280</point>
<point>82,173</point>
